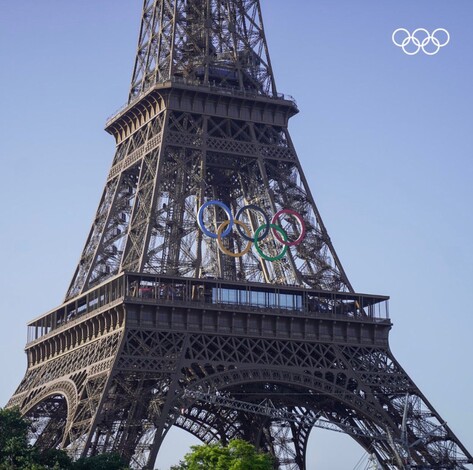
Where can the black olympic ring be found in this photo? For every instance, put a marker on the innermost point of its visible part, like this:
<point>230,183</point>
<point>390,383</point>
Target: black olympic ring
<point>266,222</point>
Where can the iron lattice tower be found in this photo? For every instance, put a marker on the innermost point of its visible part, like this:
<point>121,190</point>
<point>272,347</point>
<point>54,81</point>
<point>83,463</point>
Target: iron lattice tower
<point>159,305</point>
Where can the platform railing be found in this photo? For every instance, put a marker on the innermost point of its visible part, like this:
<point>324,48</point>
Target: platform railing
<point>214,87</point>
<point>213,294</point>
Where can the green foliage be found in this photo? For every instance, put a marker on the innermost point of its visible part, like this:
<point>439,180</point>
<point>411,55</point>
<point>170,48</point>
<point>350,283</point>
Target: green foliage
<point>100,462</point>
<point>238,455</point>
<point>180,466</point>
<point>17,454</point>
<point>52,459</point>
<point>14,449</point>
<point>245,456</point>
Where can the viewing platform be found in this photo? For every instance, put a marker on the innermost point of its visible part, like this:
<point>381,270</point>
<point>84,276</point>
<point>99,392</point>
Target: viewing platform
<point>212,294</point>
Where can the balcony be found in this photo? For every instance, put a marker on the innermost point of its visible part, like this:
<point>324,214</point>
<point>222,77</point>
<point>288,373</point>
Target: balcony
<point>211,294</point>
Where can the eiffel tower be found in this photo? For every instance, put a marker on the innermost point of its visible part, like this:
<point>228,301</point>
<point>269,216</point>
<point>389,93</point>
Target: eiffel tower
<point>208,272</point>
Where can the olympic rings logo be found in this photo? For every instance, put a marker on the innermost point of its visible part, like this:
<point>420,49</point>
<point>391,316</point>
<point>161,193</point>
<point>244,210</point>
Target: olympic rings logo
<point>421,42</point>
<point>262,232</point>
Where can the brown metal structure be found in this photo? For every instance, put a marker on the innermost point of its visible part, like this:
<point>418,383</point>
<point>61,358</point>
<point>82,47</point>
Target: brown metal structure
<point>158,307</point>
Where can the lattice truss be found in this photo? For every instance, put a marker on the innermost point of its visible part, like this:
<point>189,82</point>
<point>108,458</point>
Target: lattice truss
<point>106,389</point>
<point>360,386</point>
<point>210,42</point>
<point>128,408</point>
<point>62,394</point>
<point>147,218</point>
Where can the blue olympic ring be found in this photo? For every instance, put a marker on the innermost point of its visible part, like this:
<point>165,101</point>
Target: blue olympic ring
<point>201,218</point>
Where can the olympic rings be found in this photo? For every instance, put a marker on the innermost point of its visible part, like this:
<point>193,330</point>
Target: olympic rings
<point>420,43</point>
<point>269,225</point>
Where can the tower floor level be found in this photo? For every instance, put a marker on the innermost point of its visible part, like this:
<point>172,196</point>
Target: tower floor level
<point>208,269</point>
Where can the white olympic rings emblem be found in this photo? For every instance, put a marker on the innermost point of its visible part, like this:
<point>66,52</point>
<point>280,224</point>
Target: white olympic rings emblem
<point>424,39</point>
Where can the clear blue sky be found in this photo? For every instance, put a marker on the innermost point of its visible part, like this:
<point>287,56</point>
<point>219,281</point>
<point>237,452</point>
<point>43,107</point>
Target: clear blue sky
<point>385,140</point>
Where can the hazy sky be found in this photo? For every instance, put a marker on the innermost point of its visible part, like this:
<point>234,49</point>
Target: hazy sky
<point>385,140</point>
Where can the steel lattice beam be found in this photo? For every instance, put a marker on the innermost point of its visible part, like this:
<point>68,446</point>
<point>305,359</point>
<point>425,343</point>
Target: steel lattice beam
<point>157,310</point>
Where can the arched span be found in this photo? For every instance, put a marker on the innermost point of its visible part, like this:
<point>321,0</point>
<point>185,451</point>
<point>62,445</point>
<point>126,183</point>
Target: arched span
<point>336,398</point>
<point>51,412</point>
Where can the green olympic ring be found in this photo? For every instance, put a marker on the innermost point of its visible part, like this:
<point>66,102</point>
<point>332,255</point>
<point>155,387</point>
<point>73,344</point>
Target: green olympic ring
<point>258,249</point>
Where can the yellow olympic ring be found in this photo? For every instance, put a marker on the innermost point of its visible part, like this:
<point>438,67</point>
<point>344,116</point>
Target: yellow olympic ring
<point>219,239</point>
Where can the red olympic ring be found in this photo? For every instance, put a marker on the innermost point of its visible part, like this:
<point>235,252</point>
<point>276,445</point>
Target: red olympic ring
<point>301,227</point>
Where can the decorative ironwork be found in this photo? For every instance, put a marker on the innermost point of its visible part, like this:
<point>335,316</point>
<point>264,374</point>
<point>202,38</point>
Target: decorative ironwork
<point>156,314</point>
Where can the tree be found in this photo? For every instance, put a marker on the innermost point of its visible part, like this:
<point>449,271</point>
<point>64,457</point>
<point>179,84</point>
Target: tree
<point>14,449</point>
<point>100,462</point>
<point>52,459</point>
<point>238,455</point>
<point>16,453</point>
<point>245,456</point>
